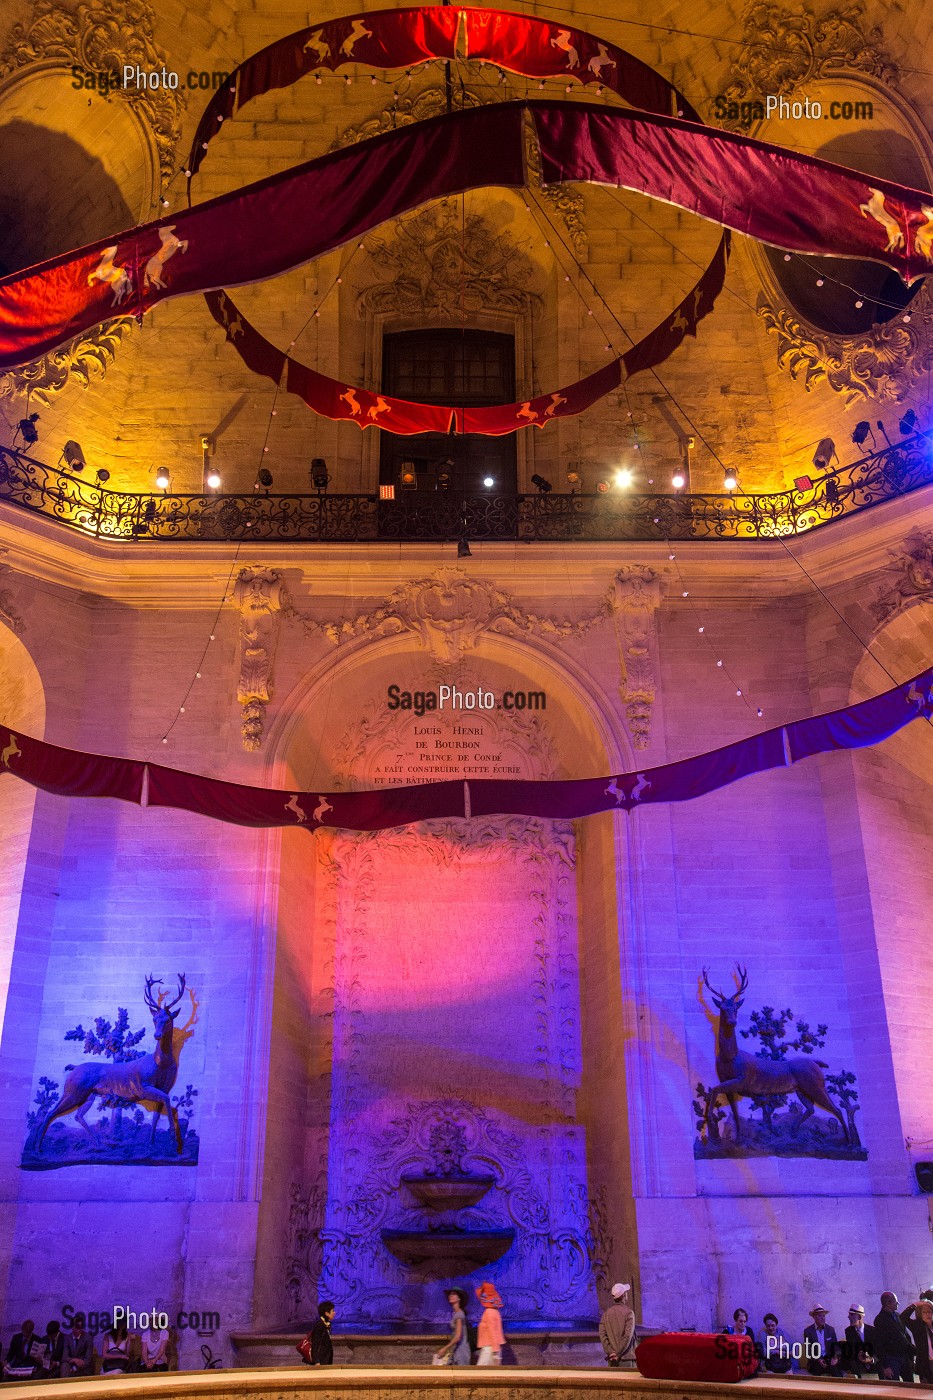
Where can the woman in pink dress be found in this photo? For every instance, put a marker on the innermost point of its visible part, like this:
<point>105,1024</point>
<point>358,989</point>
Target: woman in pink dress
<point>489,1336</point>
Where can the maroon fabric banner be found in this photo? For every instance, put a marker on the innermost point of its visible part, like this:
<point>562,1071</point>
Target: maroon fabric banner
<point>260,231</point>
<point>333,399</point>
<point>88,775</point>
<point>67,772</point>
<point>780,197</point>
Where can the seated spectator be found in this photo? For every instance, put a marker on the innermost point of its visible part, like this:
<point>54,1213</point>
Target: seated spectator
<point>894,1345</point>
<point>53,1351</point>
<point>740,1327</point>
<point>774,1354</point>
<point>115,1358</point>
<point>821,1346</point>
<point>155,1349</point>
<point>24,1359</point>
<point>921,1329</point>
<point>78,1351</point>
<point>858,1349</point>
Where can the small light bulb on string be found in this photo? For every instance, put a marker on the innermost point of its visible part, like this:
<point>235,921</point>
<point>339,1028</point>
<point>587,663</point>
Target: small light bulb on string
<point>819,281</point>
<point>787,257</point>
<point>760,712</point>
<point>212,638</point>
<point>718,663</point>
<point>181,709</point>
<point>907,318</point>
<point>738,692</point>
<point>197,675</point>
<point>317,79</point>
<point>686,593</point>
<point>165,741</point>
<point>701,630</point>
<point>859,304</point>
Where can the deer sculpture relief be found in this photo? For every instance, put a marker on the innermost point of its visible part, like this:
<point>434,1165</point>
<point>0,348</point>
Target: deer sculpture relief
<point>742,1075</point>
<point>148,1080</point>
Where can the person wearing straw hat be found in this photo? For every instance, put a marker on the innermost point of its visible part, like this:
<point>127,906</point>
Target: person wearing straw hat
<point>821,1345</point>
<point>858,1349</point>
<point>617,1327</point>
<point>490,1338</point>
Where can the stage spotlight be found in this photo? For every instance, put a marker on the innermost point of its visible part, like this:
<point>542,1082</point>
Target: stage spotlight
<point>602,485</point>
<point>74,458</point>
<point>730,481</point>
<point>678,481</point>
<point>162,478</point>
<point>803,483</point>
<point>573,478</point>
<point>908,423</point>
<point>28,430</point>
<point>263,479</point>
<point>408,477</point>
<point>103,476</point>
<point>463,548</point>
<point>824,454</point>
<point>542,483</point>
<point>213,479</point>
<point>831,491</point>
<point>861,432</point>
<point>320,476</point>
<point>443,480</point>
<point>488,481</point>
<point>623,478</point>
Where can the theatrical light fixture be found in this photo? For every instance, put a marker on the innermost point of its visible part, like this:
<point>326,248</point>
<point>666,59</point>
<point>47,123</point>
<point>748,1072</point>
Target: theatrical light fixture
<point>803,483</point>
<point>103,476</point>
<point>443,480</point>
<point>320,476</point>
<point>263,479</point>
<point>730,481</point>
<point>162,478</point>
<point>831,491</point>
<point>824,454</point>
<point>602,485</point>
<point>623,478</point>
<point>75,460</point>
<point>27,429</point>
<point>213,479</point>
<point>542,483</point>
<point>861,432</point>
<point>908,423</point>
<point>573,478</point>
<point>463,548</point>
<point>678,481</point>
<point>408,477</point>
<point>488,481</point>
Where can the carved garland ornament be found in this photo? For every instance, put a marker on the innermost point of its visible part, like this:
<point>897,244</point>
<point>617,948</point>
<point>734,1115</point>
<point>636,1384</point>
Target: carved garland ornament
<point>96,39</point>
<point>8,612</point>
<point>633,601</point>
<point>910,577</point>
<point>259,594</point>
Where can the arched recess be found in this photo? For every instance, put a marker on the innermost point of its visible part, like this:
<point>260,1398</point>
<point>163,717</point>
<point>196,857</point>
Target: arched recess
<point>469,962</point>
<point>23,710</point>
<point>894,785</point>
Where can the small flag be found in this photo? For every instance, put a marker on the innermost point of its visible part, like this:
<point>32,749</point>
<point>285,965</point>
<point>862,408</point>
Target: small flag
<point>387,493</point>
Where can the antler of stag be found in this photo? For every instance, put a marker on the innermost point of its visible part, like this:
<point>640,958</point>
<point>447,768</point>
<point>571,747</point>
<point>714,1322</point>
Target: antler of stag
<point>741,986</point>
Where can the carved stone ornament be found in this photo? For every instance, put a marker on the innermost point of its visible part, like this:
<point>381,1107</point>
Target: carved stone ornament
<point>885,363</point>
<point>8,612</point>
<point>96,38</point>
<point>783,50</point>
<point>450,612</point>
<point>258,594</point>
<point>439,264</point>
<point>910,577</point>
<point>633,601</point>
<point>85,358</point>
<point>431,102</point>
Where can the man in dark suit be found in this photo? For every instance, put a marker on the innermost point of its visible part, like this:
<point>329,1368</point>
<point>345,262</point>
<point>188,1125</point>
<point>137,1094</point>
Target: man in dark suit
<point>322,1346</point>
<point>921,1329</point>
<point>821,1346</point>
<point>24,1360</point>
<point>894,1346</point>
<point>858,1349</point>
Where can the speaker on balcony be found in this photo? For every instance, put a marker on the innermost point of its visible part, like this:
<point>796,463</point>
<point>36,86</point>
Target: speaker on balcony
<point>924,1174</point>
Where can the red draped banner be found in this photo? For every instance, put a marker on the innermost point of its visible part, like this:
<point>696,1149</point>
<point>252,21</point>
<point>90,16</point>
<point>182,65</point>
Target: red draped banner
<point>76,774</point>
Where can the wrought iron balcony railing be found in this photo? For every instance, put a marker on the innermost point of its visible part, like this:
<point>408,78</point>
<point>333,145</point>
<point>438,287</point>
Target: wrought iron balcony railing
<point>340,519</point>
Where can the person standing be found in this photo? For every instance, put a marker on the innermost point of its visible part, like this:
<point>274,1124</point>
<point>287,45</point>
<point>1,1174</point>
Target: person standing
<point>456,1350</point>
<point>78,1351</point>
<point>321,1344</point>
<point>921,1329</point>
<point>490,1338</point>
<point>617,1327</point>
<point>894,1345</point>
<point>858,1349</point>
<point>821,1345</point>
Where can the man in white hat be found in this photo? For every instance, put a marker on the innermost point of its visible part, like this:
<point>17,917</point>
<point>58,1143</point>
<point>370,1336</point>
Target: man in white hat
<point>821,1345</point>
<point>858,1349</point>
<point>617,1328</point>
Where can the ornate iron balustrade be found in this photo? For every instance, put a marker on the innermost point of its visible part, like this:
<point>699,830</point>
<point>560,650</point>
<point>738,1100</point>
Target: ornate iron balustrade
<point>341,519</point>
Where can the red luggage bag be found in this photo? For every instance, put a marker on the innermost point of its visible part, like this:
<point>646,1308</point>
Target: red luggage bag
<point>696,1356</point>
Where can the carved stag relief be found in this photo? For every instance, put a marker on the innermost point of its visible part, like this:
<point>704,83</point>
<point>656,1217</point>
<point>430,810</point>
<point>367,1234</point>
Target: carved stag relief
<point>450,612</point>
<point>95,39</point>
<point>259,594</point>
<point>910,576</point>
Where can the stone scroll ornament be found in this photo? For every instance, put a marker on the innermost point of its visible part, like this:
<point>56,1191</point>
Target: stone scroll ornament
<point>522,44</point>
<point>793,201</point>
<point>74,774</point>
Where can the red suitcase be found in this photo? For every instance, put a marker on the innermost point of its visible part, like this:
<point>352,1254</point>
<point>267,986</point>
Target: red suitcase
<point>696,1356</point>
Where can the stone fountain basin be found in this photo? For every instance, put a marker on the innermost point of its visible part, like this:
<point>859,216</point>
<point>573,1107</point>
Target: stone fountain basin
<point>448,1192</point>
<point>461,1251</point>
